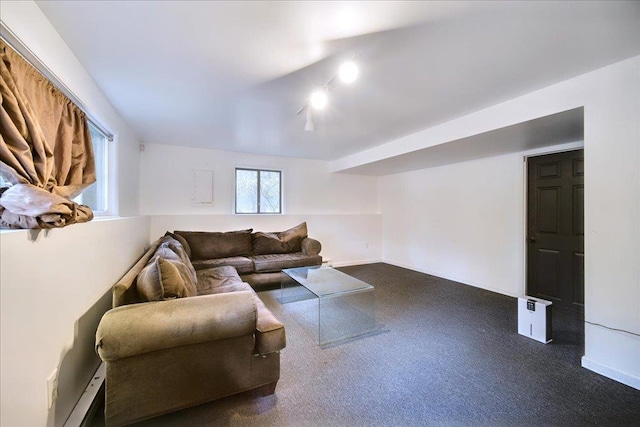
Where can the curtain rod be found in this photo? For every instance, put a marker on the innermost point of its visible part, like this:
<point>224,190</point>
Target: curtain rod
<point>18,45</point>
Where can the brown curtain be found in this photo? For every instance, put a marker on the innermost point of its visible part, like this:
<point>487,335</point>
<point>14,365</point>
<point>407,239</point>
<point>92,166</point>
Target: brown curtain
<point>45,149</point>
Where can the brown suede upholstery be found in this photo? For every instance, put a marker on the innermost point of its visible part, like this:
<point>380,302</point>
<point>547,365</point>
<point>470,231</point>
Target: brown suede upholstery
<point>294,236</point>
<point>166,355</point>
<point>182,241</point>
<point>277,262</point>
<point>212,278</point>
<point>255,256</point>
<point>159,325</point>
<point>240,263</point>
<point>209,245</point>
<point>271,243</point>
<point>310,246</point>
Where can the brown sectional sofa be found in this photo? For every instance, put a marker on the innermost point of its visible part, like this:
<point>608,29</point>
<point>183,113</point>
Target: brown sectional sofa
<point>258,257</point>
<point>182,333</point>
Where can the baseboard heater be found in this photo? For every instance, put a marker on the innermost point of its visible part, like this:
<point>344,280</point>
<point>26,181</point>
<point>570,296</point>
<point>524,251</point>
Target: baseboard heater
<point>89,402</point>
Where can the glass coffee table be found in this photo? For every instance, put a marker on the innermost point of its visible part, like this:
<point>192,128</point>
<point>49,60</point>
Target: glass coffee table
<point>337,306</point>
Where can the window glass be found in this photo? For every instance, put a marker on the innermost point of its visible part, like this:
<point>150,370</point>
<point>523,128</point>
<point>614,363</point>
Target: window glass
<point>246,185</point>
<point>95,196</point>
<point>269,192</point>
<point>258,191</point>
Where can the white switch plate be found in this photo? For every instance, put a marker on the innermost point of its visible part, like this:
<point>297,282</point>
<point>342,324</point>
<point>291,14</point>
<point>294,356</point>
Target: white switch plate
<point>52,388</point>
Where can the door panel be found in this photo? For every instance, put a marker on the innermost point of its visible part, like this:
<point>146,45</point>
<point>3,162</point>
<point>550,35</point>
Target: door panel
<point>548,210</point>
<point>578,210</point>
<point>578,279</point>
<point>555,227</point>
<point>548,273</point>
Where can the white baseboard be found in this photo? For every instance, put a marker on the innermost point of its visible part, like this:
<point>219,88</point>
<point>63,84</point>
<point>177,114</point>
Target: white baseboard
<point>610,372</point>
<point>350,263</point>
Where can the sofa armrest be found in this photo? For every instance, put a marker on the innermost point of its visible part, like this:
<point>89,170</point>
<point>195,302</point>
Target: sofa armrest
<point>141,328</point>
<point>310,246</point>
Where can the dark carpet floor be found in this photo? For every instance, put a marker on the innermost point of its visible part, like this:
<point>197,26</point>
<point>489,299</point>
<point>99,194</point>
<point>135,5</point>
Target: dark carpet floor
<point>444,354</point>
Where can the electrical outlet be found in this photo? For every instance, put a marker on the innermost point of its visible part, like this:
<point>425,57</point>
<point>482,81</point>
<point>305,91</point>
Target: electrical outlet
<point>52,388</point>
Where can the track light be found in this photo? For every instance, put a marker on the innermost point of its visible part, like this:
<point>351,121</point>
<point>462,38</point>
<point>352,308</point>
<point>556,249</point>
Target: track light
<point>348,72</point>
<point>319,98</point>
<point>309,126</point>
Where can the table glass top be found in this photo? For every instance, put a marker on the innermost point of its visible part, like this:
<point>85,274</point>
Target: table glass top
<point>325,281</point>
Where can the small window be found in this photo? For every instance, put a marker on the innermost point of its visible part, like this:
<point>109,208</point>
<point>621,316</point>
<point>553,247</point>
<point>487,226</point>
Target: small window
<point>95,196</point>
<point>258,191</point>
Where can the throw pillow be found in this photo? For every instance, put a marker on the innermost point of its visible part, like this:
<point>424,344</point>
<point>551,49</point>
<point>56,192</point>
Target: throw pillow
<point>294,236</point>
<point>160,280</point>
<point>271,243</point>
<point>165,252</point>
<point>176,247</point>
<point>182,241</point>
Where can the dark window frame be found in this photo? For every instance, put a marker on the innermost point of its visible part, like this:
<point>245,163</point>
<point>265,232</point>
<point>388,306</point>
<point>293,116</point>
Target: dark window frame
<point>258,208</point>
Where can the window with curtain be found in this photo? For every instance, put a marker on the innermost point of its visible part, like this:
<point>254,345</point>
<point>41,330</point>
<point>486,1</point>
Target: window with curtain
<point>95,195</point>
<point>46,152</point>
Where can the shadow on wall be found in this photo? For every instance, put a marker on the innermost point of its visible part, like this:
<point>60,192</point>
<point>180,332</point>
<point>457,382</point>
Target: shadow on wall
<point>79,363</point>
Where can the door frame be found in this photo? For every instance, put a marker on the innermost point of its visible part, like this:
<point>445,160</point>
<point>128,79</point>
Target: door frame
<point>563,148</point>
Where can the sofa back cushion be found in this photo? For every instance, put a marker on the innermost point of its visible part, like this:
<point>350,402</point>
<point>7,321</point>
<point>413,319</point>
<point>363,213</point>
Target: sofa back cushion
<point>172,245</point>
<point>271,243</point>
<point>164,279</point>
<point>282,242</point>
<point>210,245</point>
<point>182,241</point>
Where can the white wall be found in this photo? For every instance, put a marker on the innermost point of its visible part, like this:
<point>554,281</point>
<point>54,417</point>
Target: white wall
<point>341,210</point>
<point>55,285</point>
<point>464,222</point>
<point>50,281</point>
<point>435,219</point>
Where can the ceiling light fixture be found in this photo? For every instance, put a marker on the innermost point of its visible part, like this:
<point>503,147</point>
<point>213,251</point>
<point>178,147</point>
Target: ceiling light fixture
<point>309,126</point>
<point>319,98</point>
<point>348,72</point>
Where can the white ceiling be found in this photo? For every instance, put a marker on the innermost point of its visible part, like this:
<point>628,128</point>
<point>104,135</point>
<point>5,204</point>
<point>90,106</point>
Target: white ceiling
<point>555,129</point>
<point>232,75</point>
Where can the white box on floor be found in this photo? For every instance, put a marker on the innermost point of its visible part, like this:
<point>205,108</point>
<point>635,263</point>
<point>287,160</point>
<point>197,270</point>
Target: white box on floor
<point>534,318</point>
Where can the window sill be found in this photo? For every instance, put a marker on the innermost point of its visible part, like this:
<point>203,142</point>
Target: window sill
<point>95,219</point>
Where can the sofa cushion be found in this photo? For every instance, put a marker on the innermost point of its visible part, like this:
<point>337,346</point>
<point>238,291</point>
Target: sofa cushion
<point>242,264</point>
<point>232,287</point>
<point>294,236</point>
<point>175,246</point>
<point>210,278</point>
<point>182,241</point>
<point>163,279</point>
<point>277,262</point>
<point>210,245</point>
<point>171,249</point>
<point>271,243</point>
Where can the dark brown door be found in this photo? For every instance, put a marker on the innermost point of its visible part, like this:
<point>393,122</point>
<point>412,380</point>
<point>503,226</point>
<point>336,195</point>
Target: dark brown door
<point>555,227</point>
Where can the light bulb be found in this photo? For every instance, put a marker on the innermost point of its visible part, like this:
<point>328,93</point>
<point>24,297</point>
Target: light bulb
<point>348,72</point>
<point>319,99</point>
